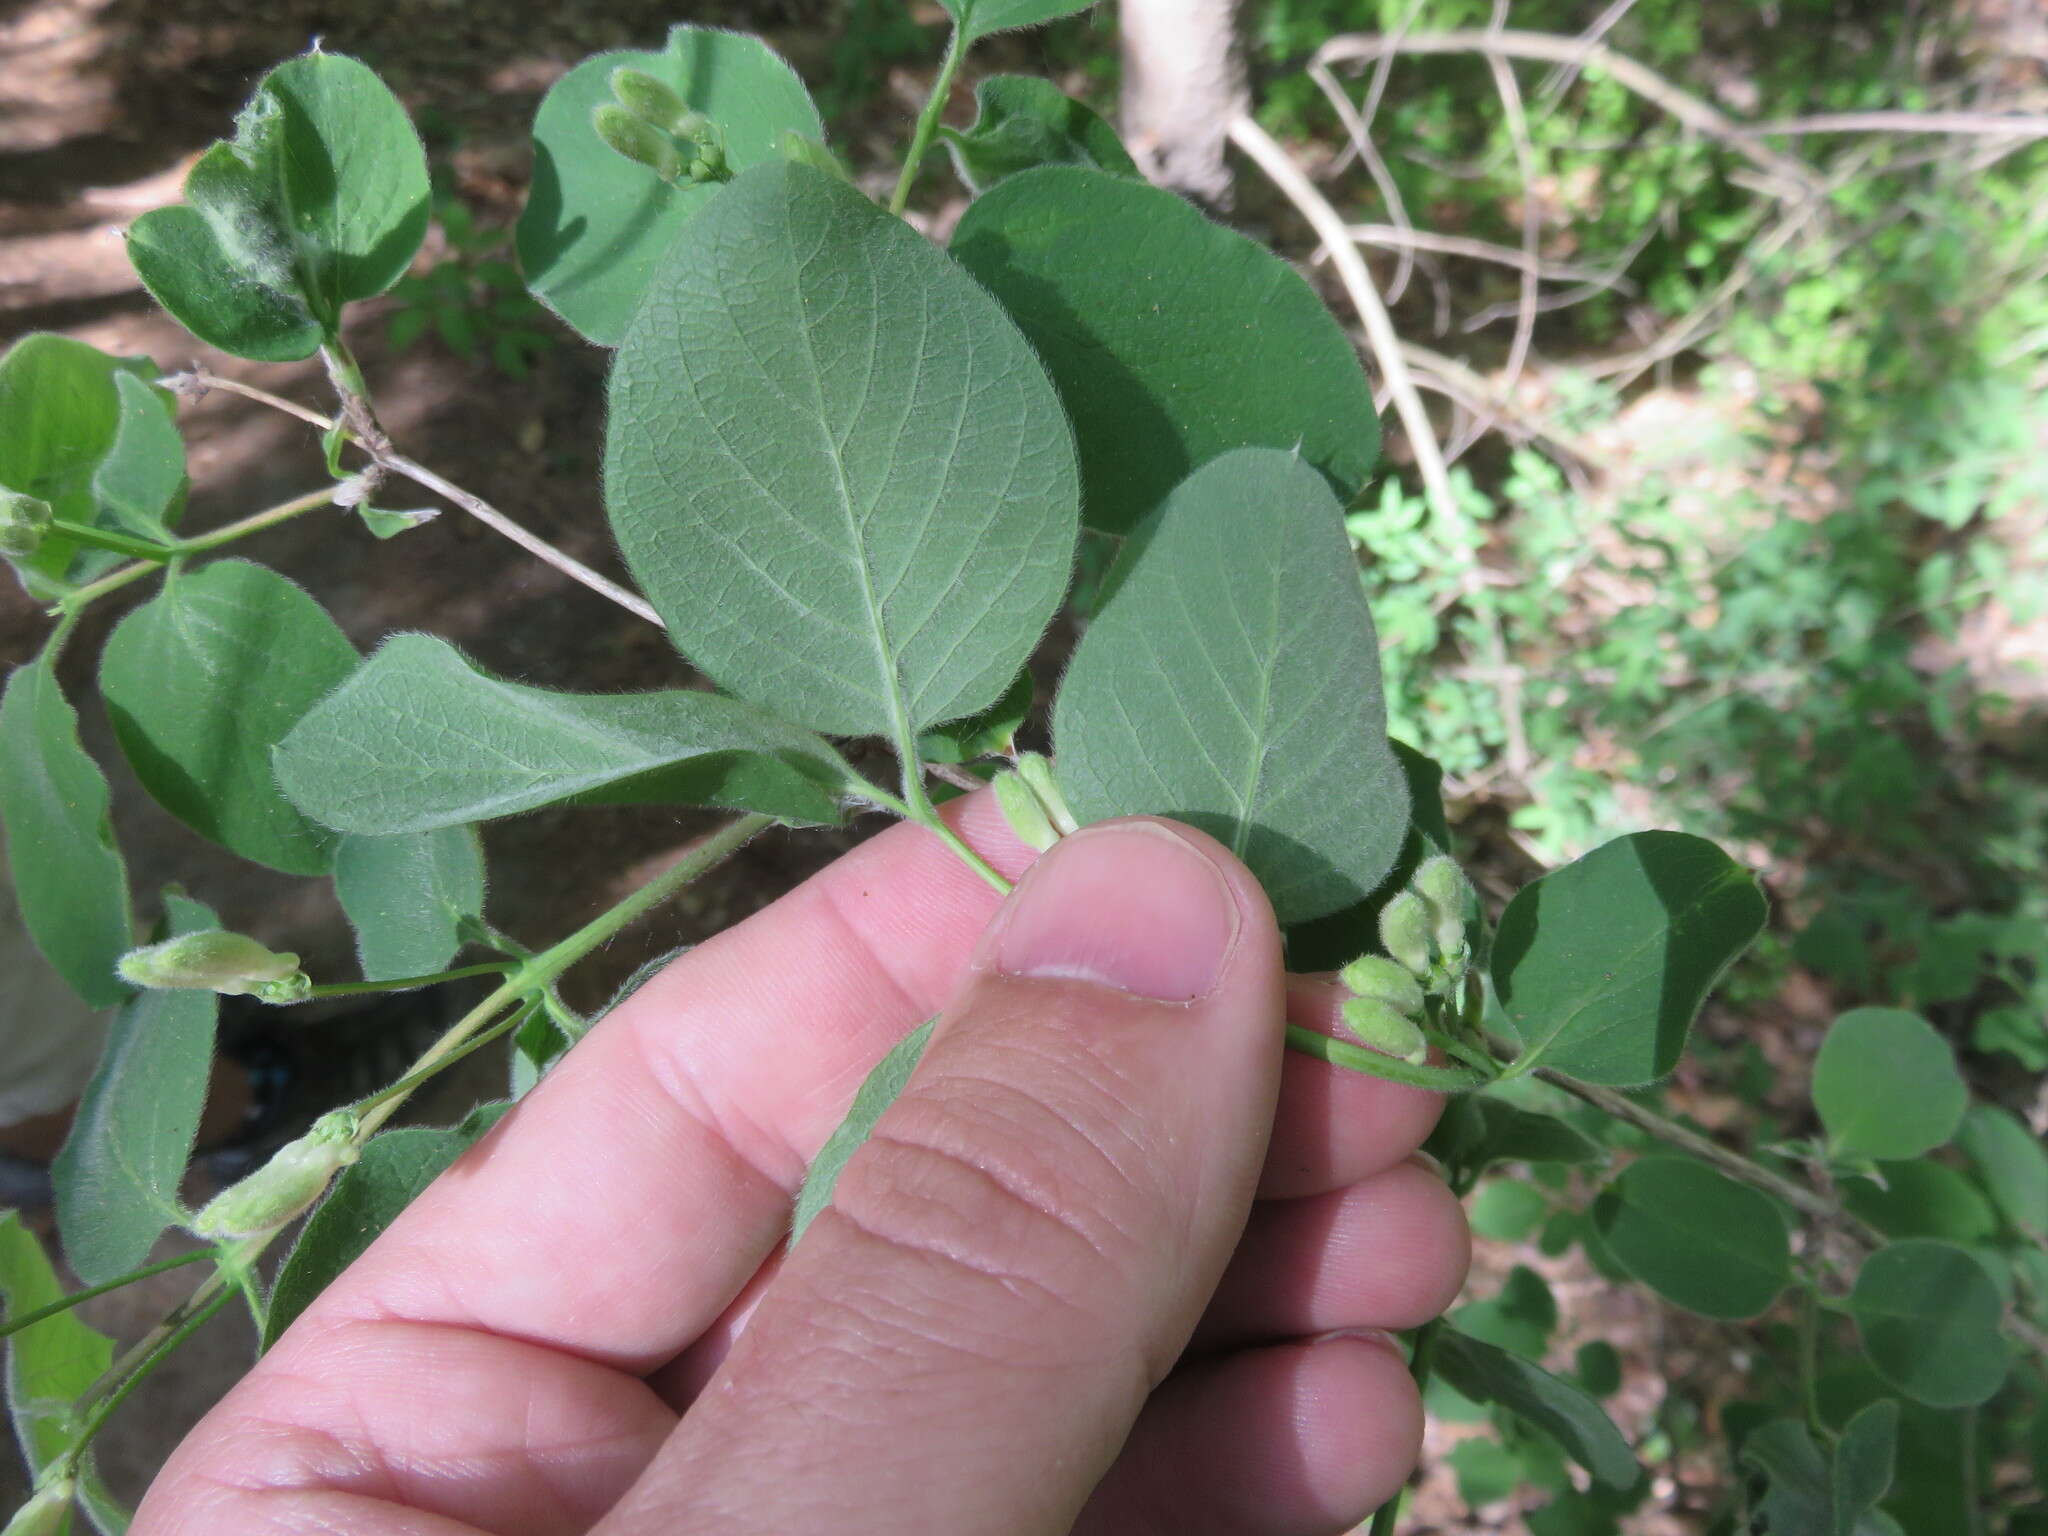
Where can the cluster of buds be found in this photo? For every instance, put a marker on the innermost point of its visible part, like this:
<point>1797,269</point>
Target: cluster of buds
<point>216,961</point>
<point>1032,803</point>
<point>648,123</point>
<point>24,520</point>
<point>1428,951</point>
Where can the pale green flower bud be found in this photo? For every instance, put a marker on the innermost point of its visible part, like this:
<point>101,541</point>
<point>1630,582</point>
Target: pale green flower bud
<point>1380,1027</point>
<point>1036,770</point>
<point>1378,977</point>
<point>217,961</point>
<point>653,101</point>
<point>1444,887</point>
<point>45,1513</point>
<point>640,142</point>
<point>285,1187</point>
<point>1404,931</point>
<point>23,522</point>
<point>1024,812</point>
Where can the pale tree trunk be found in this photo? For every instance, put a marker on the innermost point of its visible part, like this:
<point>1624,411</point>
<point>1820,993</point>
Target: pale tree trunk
<point>1183,81</point>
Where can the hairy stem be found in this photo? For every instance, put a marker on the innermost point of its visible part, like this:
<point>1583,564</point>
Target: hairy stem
<point>14,1325</point>
<point>1389,1513</point>
<point>106,538</point>
<point>228,533</point>
<point>406,983</point>
<point>928,121</point>
<point>161,1343</point>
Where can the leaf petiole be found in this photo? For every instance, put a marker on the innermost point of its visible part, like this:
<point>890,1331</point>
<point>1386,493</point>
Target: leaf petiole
<point>928,120</point>
<point>14,1325</point>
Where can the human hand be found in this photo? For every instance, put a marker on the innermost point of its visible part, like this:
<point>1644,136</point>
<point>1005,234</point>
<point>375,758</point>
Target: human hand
<point>1080,1278</point>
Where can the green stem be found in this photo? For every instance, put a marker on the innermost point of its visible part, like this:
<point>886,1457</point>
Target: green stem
<point>1341,1053</point>
<point>105,538</point>
<point>1388,1516</point>
<point>928,120</point>
<point>14,1325</point>
<point>406,983</point>
<point>197,1314</point>
<point>114,580</point>
<point>915,804</point>
<point>1809,1359</point>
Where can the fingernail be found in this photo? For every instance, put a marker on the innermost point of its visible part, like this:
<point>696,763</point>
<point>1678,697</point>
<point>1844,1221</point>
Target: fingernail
<point>1377,1336</point>
<point>1428,1163</point>
<point>1131,905</point>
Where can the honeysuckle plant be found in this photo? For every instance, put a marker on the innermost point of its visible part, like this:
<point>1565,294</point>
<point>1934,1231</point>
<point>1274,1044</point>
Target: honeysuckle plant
<point>849,471</point>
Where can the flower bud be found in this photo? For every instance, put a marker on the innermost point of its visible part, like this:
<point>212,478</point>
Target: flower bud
<point>1444,887</point>
<point>216,961</point>
<point>1035,769</point>
<point>1378,977</point>
<point>285,1187</point>
<point>650,100</point>
<point>46,1513</point>
<point>1024,811</point>
<point>639,141</point>
<point>23,522</point>
<point>1385,1030</point>
<point>1404,931</point>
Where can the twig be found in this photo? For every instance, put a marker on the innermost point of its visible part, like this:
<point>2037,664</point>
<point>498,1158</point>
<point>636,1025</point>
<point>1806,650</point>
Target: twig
<point>1525,171</point>
<point>197,380</point>
<point>1400,236</point>
<point>1358,133</point>
<point>955,775</point>
<point>1543,47</point>
<point>1560,79</point>
<point>1280,168</point>
<point>1989,124</point>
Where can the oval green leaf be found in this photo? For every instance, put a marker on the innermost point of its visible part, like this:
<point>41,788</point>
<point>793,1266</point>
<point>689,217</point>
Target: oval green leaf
<point>140,484</point>
<point>203,681</point>
<point>49,1364</point>
<point>1571,1417</point>
<point>1922,1199</point>
<point>1170,338</point>
<point>406,896</point>
<point>2014,1166</point>
<point>1601,966</point>
<point>67,871</point>
<point>1242,696</point>
<point>843,479</point>
<point>117,1177</point>
<point>418,738</point>
<point>1696,1238</point>
<point>1886,1085</point>
<point>1022,122</point>
<point>1930,1318</point>
<point>596,224</point>
<point>878,1090</point>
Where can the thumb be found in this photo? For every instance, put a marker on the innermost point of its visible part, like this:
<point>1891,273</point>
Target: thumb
<point>1019,1253</point>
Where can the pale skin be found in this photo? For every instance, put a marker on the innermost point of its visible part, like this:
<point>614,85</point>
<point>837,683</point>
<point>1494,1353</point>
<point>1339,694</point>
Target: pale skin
<point>1115,1262</point>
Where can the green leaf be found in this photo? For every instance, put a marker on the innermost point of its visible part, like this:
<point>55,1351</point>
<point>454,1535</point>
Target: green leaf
<point>1800,1493</point>
<point>978,18</point>
<point>2013,1164</point>
<point>1507,1210</point>
<point>596,225</point>
<point>1601,966</point>
<point>1696,1237</point>
<point>1486,1470</point>
<point>394,1168</point>
<point>406,895</point>
<point>1477,1132</point>
<point>881,1088</point>
<point>1021,122</point>
<point>1519,1317</point>
<point>853,449</point>
<point>1171,339</point>
<point>320,198</point>
<point>992,733</point>
<point>1922,1199</point>
<point>1864,1462</point>
<point>418,739</point>
<point>1242,696</point>
<point>1598,1366</point>
<point>140,484</point>
<point>1930,1316</point>
<point>1886,1085</point>
<point>203,681</point>
<point>1574,1420</point>
<point>48,1363</point>
<point>67,871</point>
<point>118,1175</point>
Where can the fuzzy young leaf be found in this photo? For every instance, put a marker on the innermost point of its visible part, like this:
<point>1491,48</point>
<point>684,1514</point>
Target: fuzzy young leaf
<point>2014,1166</point>
<point>596,225</point>
<point>1242,696</point>
<point>1886,1085</point>
<point>1696,1237</point>
<point>203,681</point>
<point>406,895</point>
<point>1930,1317</point>
<point>978,18</point>
<point>418,739</point>
<point>881,1088</point>
<point>853,448</point>
<point>118,1175</point>
<point>1023,122</point>
<point>1571,1417</point>
<point>367,1198</point>
<point>1601,966</point>
<point>67,872</point>
<point>320,198</point>
<point>1171,339</point>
